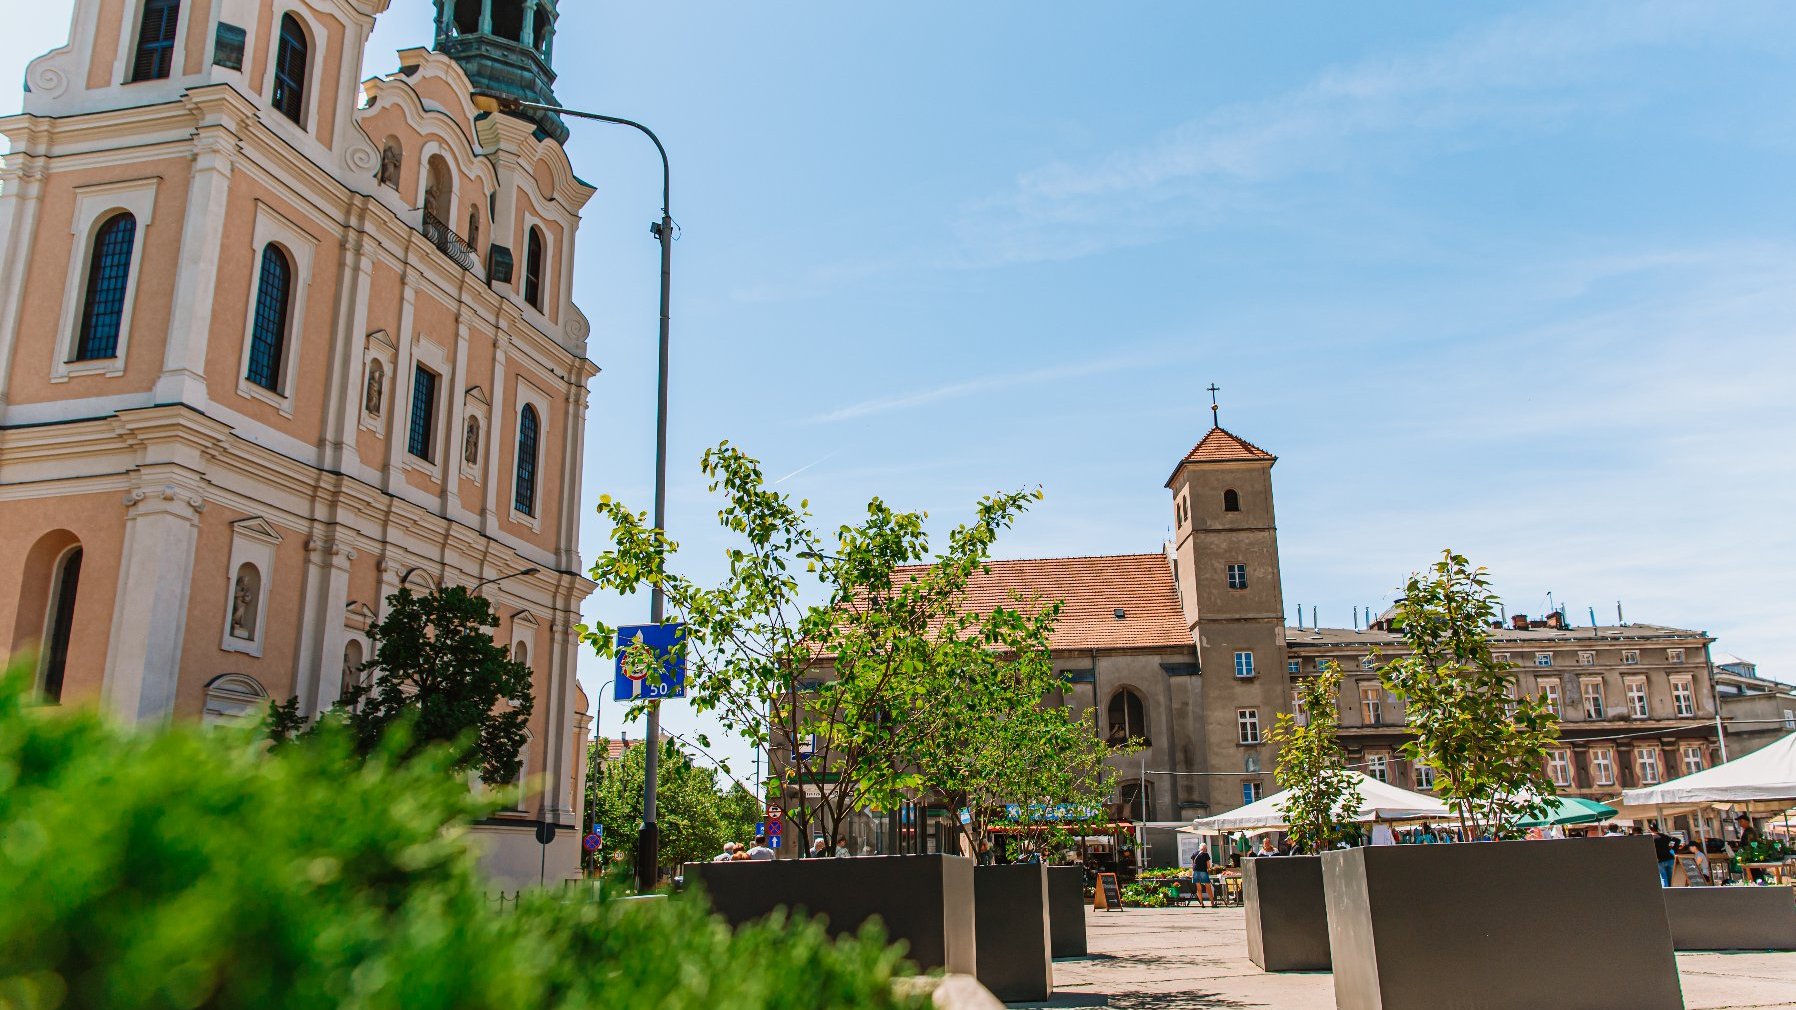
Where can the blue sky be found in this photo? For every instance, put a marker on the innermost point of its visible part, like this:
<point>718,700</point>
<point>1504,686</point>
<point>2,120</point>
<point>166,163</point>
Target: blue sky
<point>1517,279</point>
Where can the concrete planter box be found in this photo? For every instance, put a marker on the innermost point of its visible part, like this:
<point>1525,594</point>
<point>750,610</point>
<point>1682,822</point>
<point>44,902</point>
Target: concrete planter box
<point>1496,925</point>
<point>1731,918</point>
<point>1287,917</point>
<point>1066,911</point>
<point>1011,907</point>
<point>926,901</point>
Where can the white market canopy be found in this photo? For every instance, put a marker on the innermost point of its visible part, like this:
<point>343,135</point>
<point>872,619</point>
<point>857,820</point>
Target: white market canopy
<point>1764,779</point>
<point>1379,801</point>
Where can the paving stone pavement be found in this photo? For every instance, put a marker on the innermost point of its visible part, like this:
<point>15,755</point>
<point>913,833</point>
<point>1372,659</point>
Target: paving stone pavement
<point>1196,959</point>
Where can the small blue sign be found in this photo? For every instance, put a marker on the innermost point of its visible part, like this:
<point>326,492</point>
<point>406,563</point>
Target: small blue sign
<point>652,677</point>
<point>760,827</point>
<point>592,842</point>
<point>773,842</point>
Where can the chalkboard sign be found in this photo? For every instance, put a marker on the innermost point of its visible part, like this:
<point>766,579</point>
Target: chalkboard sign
<point>1109,893</point>
<point>1692,867</point>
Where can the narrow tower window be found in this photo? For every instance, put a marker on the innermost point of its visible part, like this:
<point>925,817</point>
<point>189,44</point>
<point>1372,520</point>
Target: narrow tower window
<point>1231,502</point>
<point>422,440</point>
<point>533,269</point>
<point>107,272</point>
<point>156,40</point>
<point>1128,717</point>
<point>290,70</point>
<point>524,493</point>
<point>62,624</point>
<point>268,334</point>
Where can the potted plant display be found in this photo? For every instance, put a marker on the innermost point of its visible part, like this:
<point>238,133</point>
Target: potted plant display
<point>1482,924</point>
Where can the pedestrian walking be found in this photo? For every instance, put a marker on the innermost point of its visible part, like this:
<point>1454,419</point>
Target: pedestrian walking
<point>1200,876</point>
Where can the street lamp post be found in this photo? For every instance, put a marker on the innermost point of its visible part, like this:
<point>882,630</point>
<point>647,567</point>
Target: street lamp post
<point>648,843</point>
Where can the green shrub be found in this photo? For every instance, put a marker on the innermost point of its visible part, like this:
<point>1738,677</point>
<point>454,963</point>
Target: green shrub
<point>182,868</point>
<point>1149,895</point>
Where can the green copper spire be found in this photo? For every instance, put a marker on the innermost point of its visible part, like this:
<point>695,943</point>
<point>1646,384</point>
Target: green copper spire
<point>506,48</point>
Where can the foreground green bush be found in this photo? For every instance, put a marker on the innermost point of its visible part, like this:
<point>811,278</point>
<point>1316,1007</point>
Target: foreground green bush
<point>183,868</point>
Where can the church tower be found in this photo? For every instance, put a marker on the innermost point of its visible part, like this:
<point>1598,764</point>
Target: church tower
<point>1226,565</point>
<point>275,342</point>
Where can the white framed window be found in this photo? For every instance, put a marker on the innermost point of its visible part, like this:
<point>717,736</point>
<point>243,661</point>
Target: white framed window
<point>1593,699</point>
<point>1367,662</point>
<point>1630,657</point>
<point>1789,718</point>
<point>268,363</point>
<point>1636,688</point>
<point>1294,666</point>
<point>1251,792</point>
<point>1602,766</point>
<point>1378,766</point>
<point>1247,725</point>
<point>1586,658</point>
<point>1371,704</point>
<point>1501,657</point>
<point>1543,659</point>
<point>1674,655</point>
<point>1237,576</point>
<point>1559,767</point>
<point>1550,695</point>
<point>1646,763</point>
<point>526,395</point>
<point>1298,713</point>
<point>96,207</point>
<point>1693,759</point>
<point>1423,773</point>
<point>1243,665</point>
<point>1683,696</point>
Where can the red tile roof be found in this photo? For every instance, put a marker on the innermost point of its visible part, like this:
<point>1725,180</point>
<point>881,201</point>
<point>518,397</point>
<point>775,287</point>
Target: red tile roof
<point>1094,588</point>
<point>1222,446</point>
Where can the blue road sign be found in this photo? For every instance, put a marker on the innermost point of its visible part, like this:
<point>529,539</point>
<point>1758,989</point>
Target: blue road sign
<point>662,674</point>
<point>773,842</point>
<point>592,842</point>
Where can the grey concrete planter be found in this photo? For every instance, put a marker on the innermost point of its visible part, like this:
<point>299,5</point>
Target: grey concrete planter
<point>926,901</point>
<point>1731,918</point>
<point>1287,917</point>
<point>1011,907</point>
<point>1066,911</point>
<point>1500,925</point>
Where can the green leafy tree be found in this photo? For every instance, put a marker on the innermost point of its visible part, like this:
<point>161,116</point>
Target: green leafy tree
<point>437,671</point>
<point>812,668</point>
<point>696,813</point>
<point>228,877</point>
<point>1322,796</point>
<point>1486,743</point>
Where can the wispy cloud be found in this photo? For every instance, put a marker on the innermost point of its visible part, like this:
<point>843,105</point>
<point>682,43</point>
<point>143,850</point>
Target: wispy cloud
<point>807,466</point>
<point>987,384</point>
<point>1517,73</point>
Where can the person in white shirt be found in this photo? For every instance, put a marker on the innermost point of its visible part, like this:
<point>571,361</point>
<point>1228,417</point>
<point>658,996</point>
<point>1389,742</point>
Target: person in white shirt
<point>728,853</point>
<point>1383,835</point>
<point>760,849</point>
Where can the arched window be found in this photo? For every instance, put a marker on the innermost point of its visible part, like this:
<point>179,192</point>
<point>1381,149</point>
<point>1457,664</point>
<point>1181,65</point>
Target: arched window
<point>246,603</point>
<point>1128,717</point>
<point>1231,502</point>
<point>61,624</point>
<point>467,17</point>
<point>533,269</point>
<point>1137,799</point>
<point>268,333</point>
<point>232,697</point>
<point>352,667</point>
<point>104,304</point>
<point>524,488</point>
<point>437,186</point>
<point>289,97</point>
<point>156,40</point>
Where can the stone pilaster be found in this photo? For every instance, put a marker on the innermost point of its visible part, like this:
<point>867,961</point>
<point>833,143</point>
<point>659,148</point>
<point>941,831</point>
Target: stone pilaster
<point>149,618</point>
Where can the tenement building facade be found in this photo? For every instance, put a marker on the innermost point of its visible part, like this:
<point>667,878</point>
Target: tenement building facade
<point>1187,650</point>
<point>275,343</point>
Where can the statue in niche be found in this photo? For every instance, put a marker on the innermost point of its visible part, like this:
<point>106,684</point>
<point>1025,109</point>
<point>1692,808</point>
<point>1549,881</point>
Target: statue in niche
<point>243,606</point>
<point>470,443</point>
<point>389,166</point>
<point>376,388</point>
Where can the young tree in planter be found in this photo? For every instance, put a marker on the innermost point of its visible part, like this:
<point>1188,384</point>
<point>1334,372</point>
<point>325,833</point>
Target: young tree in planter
<point>983,733</point>
<point>1322,795</point>
<point>437,672</point>
<point>1487,744</point>
<point>813,670</point>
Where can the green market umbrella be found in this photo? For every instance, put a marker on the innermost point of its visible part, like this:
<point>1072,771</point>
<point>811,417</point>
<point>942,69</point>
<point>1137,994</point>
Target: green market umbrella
<point>1570,810</point>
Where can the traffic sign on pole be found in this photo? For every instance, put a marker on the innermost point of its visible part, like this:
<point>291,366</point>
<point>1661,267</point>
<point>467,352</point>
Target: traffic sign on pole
<point>651,662</point>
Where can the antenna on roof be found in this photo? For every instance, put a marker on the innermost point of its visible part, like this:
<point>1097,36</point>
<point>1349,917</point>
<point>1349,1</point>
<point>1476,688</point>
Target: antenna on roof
<point>1214,409</point>
<point>1593,617</point>
<point>1300,617</point>
<point>1313,623</point>
<point>1618,618</point>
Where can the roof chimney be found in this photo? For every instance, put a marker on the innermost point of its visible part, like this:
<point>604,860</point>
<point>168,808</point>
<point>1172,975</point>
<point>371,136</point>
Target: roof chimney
<point>1556,621</point>
<point>1519,622</point>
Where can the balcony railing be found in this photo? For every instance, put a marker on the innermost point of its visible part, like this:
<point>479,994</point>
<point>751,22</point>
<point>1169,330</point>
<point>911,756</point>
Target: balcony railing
<point>444,238</point>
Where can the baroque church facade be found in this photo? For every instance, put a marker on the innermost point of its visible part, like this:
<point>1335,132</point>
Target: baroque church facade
<point>276,342</point>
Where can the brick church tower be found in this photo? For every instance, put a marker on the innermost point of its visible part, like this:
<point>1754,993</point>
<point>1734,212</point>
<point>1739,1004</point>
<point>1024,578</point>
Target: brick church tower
<point>1226,567</point>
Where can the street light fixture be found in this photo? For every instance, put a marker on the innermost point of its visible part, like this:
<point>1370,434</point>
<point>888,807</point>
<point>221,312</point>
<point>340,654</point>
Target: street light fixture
<point>502,578</point>
<point>648,842</point>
